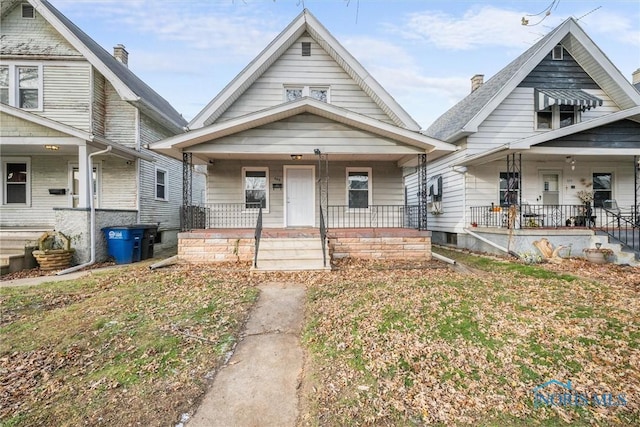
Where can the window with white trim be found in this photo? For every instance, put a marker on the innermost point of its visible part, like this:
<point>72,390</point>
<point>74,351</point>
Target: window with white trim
<point>161,184</point>
<point>557,116</point>
<point>602,188</point>
<point>21,86</point>
<point>16,181</point>
<point>255,184</point>
<point>509,188</point>
<point>358,188</point>
<point>292,93</point>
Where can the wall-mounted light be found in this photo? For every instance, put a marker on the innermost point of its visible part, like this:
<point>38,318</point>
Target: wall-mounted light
<point>296,156</point>
<point>51,147</point>
<point>572,162</point>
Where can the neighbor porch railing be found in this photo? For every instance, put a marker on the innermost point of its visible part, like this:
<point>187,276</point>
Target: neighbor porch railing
<point>625,228</point>
<point>219,215</point>
<point>534,216</point>
<point>257,235</point>
<point>375,216</point>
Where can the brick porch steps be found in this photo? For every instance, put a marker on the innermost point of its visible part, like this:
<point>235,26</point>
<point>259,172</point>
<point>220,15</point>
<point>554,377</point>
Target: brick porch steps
<point>290,254</point>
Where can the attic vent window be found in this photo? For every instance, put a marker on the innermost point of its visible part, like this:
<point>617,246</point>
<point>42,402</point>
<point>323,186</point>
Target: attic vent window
<point>558,53</point>
<point>28,11</point>
<point>306,48</point>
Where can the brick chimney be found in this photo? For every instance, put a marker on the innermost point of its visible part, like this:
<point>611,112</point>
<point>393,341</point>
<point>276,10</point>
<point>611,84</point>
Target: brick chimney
<point>476,81</point>
<point>635,77</point>
<point>121,54</point>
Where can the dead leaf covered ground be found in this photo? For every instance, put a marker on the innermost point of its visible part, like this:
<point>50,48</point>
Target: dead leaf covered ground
<point>126,347</point>
<point>389,343</point>
<point>432,346</point>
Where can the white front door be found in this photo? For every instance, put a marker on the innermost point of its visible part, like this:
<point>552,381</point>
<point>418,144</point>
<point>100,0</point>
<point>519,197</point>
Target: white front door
<point>550,188</point>
<point>299,196</point>
<point>74,185</point>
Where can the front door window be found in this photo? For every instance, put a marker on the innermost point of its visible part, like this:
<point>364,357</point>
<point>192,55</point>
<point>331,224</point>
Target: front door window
<point>75,186</point>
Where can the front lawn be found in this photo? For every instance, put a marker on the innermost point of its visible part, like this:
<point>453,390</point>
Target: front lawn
<point>432,346</point>
<point>127,347</point>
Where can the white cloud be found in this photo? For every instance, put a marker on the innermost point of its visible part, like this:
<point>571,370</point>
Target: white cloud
<point>478,27</point>
<point>622,28</point>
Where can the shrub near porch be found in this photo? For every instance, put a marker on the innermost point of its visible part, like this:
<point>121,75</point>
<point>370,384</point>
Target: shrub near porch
<point>422,346</point>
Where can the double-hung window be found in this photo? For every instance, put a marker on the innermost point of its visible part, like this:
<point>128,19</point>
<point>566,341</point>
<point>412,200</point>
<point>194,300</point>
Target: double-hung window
<point>602,188</point>
<point>21,86</point>
<point>16,173</point>
<point>557,116</point>
<point>292,93</point>
<point>358,188</point>
<point>256,189</point>
<point>161,184</point>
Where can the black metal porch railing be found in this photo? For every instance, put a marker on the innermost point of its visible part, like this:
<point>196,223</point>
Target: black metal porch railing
<point>323,238</point>
<point>219,215</point>
<point>375,216</point>
<point>623,228</point>
<point>257,235</point>
<point>533,216</point>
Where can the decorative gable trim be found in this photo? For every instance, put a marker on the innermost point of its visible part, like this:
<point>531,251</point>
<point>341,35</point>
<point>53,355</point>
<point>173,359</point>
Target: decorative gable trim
<point>305,22</point>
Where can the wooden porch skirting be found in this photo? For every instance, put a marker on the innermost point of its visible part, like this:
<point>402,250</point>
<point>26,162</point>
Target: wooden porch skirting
<point>233,245</point>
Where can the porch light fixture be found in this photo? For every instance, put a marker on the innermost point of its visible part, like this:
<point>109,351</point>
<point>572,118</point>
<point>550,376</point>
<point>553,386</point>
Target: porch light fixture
<point>296,156</point>
<point>52,147</point>
<point>572,162</point>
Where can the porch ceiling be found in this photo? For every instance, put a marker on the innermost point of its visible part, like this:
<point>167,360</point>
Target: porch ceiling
<point>306,157</point>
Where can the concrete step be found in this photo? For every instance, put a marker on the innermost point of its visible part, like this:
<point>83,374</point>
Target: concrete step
<point>290,254</point>
<point>12,239</point>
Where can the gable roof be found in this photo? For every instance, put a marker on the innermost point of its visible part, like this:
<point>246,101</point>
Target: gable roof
<point>129,86</point>
<point>117,149</point>
<point>174,146</point>
<point>464,118</point>
<point>305,22</point>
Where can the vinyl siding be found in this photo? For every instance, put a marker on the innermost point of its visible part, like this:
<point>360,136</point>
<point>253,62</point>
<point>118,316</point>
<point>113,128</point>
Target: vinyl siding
<point>14,126</point>
<point>32,37</point>
<point>225,184</point>
<point>514,119</point>
<point>453,187</point>
<point>120,119</point>
<point>67,94</point>
<point>293,69</point>
<point>46,172</point>
<point>98,103</point>
<point>304,130</point>
<point>165,212</point>
<point>118,183</point>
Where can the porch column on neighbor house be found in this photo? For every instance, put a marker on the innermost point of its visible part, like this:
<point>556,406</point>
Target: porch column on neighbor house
<point>186,219</point>
<point>636,196</point>
<point>83,176</point>
<point>422,192</point>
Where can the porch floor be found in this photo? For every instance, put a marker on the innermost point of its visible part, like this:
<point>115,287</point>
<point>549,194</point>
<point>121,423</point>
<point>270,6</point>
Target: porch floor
<point>295,232</point>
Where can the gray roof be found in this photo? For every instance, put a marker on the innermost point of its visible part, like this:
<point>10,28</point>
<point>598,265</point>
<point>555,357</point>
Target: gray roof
<point>148,97</point>
<point>454,120</point>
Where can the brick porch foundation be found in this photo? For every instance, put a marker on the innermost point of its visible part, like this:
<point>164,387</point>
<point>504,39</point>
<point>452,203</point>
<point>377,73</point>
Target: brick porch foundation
<point>232,245</point>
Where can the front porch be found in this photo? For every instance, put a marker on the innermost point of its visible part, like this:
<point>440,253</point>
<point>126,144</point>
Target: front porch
<point>301,248</point>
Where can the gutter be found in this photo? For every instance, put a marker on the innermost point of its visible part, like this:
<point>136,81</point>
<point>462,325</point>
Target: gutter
<point>489,242</point>
<point>93,218</point>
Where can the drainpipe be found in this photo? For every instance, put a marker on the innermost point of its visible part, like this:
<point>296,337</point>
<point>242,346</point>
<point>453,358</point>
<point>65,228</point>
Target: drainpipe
<point>489,242</point>
<point>92,208</point>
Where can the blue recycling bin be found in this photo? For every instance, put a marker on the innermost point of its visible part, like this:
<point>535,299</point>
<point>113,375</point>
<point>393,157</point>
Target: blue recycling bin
<point>124,244</point>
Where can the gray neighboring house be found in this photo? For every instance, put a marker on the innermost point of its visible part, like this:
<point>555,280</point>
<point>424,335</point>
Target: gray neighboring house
<point>63,97</point>
<point>557,121</point>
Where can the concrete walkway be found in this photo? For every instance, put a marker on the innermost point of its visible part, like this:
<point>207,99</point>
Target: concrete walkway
<point>259,385</point>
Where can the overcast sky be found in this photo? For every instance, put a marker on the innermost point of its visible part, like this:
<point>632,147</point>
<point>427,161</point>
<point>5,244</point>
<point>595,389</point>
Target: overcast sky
<point>423,52</point>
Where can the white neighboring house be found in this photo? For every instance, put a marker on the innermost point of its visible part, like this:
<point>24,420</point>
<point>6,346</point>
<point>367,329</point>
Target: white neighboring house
<point>62,98</point>
<point>304,129</point>
<point>558,120</point>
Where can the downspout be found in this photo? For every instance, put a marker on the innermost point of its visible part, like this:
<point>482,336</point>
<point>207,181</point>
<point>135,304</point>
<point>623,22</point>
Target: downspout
<point>92,208</point>
<point>489,242</point>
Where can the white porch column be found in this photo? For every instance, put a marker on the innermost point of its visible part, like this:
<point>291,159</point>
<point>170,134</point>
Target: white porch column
<point>83,175</point>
